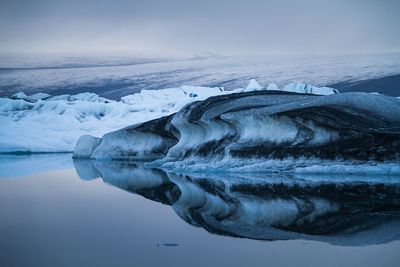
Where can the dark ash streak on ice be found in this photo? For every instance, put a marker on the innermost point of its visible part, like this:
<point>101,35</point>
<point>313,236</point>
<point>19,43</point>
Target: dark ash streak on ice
<point>264,125</point>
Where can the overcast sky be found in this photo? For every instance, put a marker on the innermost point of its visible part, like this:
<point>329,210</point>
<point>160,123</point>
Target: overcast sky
<point>175,26</point>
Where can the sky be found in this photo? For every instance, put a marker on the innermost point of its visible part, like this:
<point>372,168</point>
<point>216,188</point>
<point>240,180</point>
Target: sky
<point>177,27</point>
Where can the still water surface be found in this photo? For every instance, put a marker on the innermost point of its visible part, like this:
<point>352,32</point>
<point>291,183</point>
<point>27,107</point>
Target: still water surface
<point>126,215</point>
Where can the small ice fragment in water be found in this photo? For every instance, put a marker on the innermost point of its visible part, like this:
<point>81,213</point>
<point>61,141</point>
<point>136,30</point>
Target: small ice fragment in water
<point>167,244</point>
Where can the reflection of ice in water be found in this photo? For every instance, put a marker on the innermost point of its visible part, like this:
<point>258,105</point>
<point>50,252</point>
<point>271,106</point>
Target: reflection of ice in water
<point>355,211</point>
<point>18,165</point>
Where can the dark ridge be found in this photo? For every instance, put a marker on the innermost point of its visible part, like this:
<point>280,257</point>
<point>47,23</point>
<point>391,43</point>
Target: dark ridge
<point>197,109</point>
<point>161,126</point>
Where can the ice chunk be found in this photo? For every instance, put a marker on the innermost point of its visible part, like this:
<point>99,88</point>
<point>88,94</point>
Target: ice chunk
<point>265,125</point>
<point>85,146</point>
<point>309,89</point>
<point>88,97</point>
<point>272,86</point>
<point>91,97</point>
<point>253,86</point>
<point>12,105</point>
<point>19,95</point>
<point>44,123</point>
<point>171,99</point>
<point>31,98</point>
<point>39,96</point>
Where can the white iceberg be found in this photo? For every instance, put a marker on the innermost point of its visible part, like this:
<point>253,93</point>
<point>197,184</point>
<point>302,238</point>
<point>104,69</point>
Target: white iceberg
<point>39,96</point>
<point>272,86</point>
<point>88,144</point>
<point>309,89</point>
<point>253,86</point>
<point>19,95</point>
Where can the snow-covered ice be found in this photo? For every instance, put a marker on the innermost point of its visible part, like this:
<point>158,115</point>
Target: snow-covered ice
<point>55,123</point>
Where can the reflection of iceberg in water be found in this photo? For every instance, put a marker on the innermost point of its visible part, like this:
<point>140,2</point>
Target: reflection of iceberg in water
<point>355,211</point>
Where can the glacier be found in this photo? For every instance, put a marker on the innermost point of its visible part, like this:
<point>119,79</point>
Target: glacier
<point>262,130</point>
<point>117,78</point>
<point>44,123</point>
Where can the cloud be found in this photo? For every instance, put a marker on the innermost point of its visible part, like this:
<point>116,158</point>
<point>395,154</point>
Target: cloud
<point>224,27</point>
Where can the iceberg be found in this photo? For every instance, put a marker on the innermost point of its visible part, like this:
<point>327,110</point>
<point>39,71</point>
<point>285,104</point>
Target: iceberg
<point>45,123</point>
<point>263,127</point>
<point>309,89</point>
<point>88,144</point>
<point>19,95</point>
<point>272,86</point>
<point>39,96</point>
<point>31,98</point>
<point>253,86</point>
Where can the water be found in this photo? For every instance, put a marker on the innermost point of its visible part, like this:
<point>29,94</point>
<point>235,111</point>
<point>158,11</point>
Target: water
<point>119,214</point>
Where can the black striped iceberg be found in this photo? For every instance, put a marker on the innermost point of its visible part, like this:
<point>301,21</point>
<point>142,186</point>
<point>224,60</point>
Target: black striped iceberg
<point>260,127</point>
